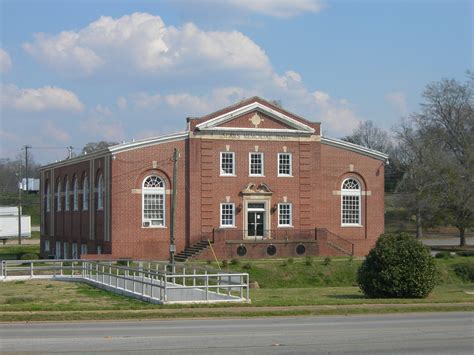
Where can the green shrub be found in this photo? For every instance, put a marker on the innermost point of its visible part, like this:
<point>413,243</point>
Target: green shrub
<point>235,262</point>
<point>465,271</point>
<point>247,266</point>
<point>327,260</point>
<point>29,256</point>
<point>443,255</point>
<point>225,263</point>
<point>397,267</point>
<point>308,261</point>
<point>208,261</point>
<point>291,261</point>
<point>466,253</point>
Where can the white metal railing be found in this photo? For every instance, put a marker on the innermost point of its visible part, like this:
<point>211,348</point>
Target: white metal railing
<point>155,282</point>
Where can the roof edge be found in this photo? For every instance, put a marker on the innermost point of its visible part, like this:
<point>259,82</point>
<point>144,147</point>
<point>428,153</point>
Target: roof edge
<point>354,147</point>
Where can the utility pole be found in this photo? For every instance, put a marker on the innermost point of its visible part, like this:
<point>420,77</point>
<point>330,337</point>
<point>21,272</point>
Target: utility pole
<point>19,205</point>
<point>173,207</point>
<point>26,166</point>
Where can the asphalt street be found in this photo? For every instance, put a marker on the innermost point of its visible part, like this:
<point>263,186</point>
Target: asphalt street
<point>429,333</point>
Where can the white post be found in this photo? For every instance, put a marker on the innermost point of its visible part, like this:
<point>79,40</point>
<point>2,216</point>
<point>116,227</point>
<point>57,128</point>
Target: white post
<point>31,269</point>
<point>207,287</point>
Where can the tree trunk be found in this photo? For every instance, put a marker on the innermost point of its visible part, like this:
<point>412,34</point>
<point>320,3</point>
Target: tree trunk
<point>419,227</point>
<point>462,237</point>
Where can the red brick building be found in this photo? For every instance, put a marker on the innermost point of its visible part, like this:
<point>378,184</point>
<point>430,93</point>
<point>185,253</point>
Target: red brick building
<point>253,179</point>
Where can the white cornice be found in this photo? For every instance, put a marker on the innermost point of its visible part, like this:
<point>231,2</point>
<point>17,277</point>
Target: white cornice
<point>212,123</point>
<point>119,148</point>
<point>355,148</point>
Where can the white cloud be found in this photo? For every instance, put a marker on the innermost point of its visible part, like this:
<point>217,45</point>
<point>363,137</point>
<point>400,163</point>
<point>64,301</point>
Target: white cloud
<point>103,110</point>
<point>5,61</point>
<point>56,133</point>
<point>279,8</point>
<point>41,99</point>
<point>398,100</point>
<point>141,42</point>
<point>122,103</point>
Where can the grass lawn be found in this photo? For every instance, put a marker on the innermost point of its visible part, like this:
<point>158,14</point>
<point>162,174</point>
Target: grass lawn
<point>298,287</point>
<point>14,252</point>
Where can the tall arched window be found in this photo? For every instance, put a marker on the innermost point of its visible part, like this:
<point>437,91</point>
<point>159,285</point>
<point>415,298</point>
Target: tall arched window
<point>47,198</point>
<point>67,199</point>
<point>58,195</point>
<point>100,193</point>
<point>350,203</point>
<point>153,202</point>
<point>85,193</point>
<point>75,194</point>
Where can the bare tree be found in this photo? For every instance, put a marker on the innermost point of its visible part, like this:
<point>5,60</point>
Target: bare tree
<point>368,135</point>
<point>94,146</point>
<point>444,131</point>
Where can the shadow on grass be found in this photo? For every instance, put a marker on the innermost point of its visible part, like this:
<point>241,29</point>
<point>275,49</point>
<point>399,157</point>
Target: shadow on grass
<point>347,297</point>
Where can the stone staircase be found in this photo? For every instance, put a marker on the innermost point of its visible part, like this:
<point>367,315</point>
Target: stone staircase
<point>191,251</point>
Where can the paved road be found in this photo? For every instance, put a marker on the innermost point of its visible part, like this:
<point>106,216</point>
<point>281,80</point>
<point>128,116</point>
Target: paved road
<point>430,333</point>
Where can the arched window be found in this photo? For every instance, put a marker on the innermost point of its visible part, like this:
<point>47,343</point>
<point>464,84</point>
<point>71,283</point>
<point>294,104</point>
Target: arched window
<point>66,194</point>
<point>75,194</point>
<point>100,193</point>
<point>350,202</point>
<point>153,202</point>
<point>58,195</point>
<point>85,193</point>
<point>48,198</point>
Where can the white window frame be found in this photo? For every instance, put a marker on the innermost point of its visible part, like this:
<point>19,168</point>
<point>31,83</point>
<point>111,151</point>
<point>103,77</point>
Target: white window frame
<point>67,200</point>
<point>290,162</point>
<point>262,163</point>
<point>148,222</point>
<point>290,214</point>
<point>48,197</point>
<point>99,250</point>
<point>85,193</point>
<point>75,194</point>
<point>354,193</point>
<point>222,172</point>
<point>46,246</point>
<point>58,196</point>
<point>100,193</point>
<point>83,249</point>
<point>233,215</point>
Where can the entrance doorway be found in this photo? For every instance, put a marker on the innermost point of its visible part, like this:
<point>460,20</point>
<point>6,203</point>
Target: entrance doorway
<point>255,220</point>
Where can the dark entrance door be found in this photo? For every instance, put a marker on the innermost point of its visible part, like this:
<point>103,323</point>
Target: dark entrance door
<point>255,223</point>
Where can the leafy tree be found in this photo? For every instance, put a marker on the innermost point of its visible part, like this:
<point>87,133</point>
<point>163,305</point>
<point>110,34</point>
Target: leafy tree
<point>94,146</point>
<point>397,267</point>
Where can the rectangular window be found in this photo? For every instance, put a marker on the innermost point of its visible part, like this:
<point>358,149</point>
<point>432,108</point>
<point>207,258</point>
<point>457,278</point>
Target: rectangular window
<point>153,209</point>
<point>350,210</point>
<point>46,246</point>
<point>284,215</point>
<point>284,164</point>
<point>227,215</point>
<point>58,250</point>
<point>256,164</point>
<point>74,251</point>
<point>83,249</point>
<point>99,250</point>
<point>227,164</point>
<point>66,250</point>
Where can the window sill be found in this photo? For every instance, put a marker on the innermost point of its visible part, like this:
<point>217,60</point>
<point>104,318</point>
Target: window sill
<point>285,226</point>
<point>227,227</point>
<point>256,175</point>
<point>351,225</point>
<point>155,227</point>
<point>284,175</point>
<point>228,175</point>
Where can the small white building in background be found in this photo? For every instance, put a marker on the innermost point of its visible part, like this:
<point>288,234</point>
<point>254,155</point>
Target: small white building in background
<point>9,223</point>
<point>33,185</point>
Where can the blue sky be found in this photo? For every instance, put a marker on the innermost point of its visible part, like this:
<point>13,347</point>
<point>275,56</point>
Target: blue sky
<point>79,71</point>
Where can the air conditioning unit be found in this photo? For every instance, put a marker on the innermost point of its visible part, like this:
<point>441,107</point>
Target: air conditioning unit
<point>146,224</point>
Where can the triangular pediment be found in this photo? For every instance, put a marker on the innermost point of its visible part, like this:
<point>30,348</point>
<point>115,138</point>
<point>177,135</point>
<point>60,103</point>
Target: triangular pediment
<point>255,116</point>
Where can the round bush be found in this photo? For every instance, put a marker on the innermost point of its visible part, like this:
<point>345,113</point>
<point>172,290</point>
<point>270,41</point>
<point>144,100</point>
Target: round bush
<point>29,256</point>
<point>397,267</point>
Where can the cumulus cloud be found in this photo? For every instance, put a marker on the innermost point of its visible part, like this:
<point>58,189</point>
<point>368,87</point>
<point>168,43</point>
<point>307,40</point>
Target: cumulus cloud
<point>398,100</point>
<point>122,103</point>
<point>142,42</point>
<point>280,8</point>
<point>41,99</point>
<point>5,61</point>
